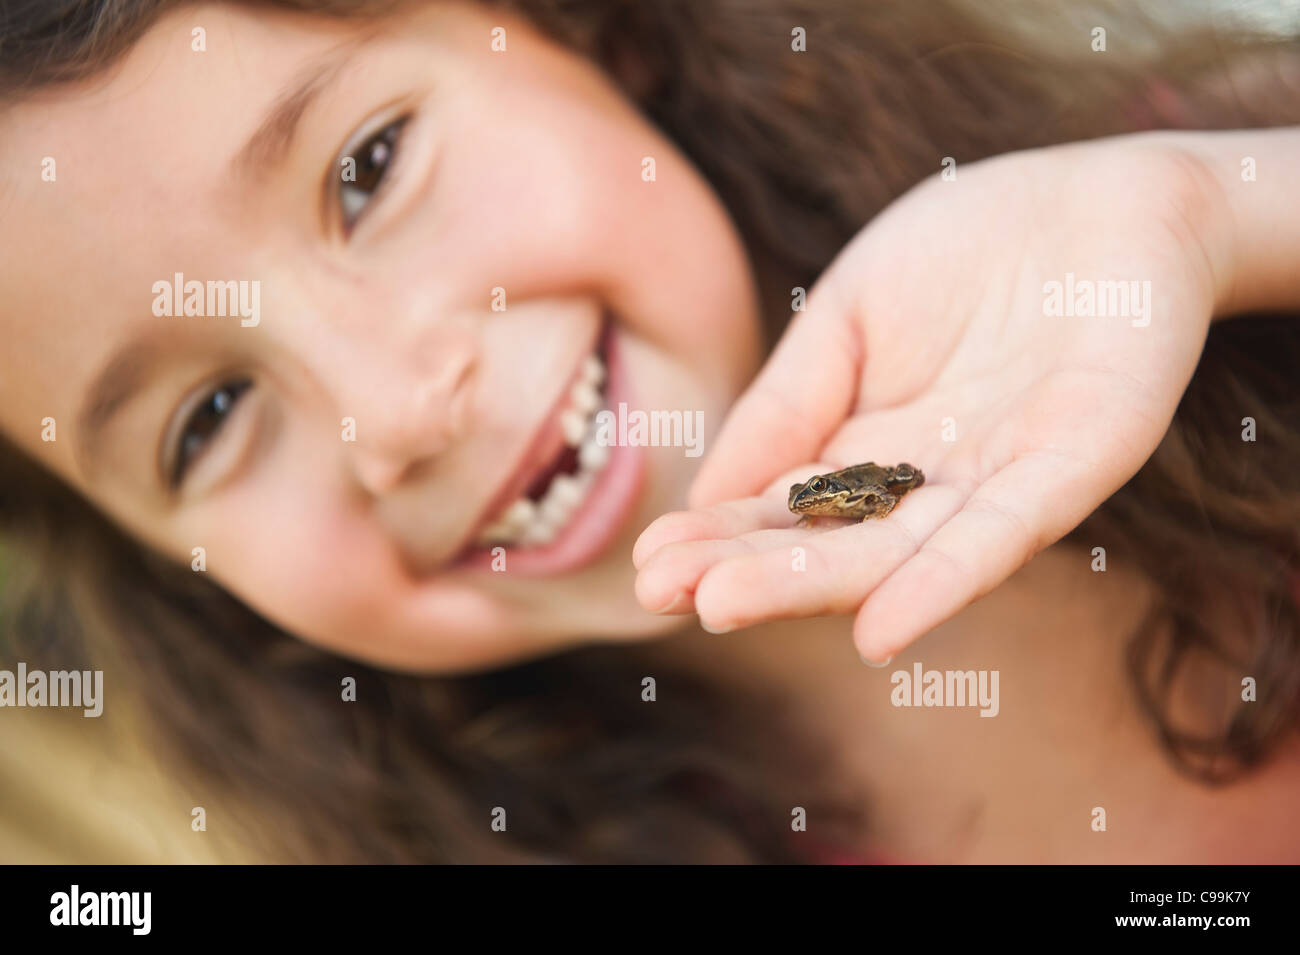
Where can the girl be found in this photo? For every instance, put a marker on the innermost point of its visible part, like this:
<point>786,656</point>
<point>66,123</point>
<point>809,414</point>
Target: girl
<point>356,548</point>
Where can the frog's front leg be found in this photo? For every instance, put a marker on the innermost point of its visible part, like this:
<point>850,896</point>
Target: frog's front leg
<point>879,506</point>
<point>815,520</point>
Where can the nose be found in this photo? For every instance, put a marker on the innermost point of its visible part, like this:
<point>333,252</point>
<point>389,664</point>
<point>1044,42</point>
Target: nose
<point>404,414</point>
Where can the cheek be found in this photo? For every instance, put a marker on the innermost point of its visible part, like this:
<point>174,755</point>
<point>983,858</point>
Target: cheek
<point>332,578</point>
<point>565,187</point>
<point>319,574</point>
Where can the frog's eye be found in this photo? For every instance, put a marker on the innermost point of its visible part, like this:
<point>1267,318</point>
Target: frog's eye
<point>817,484</point>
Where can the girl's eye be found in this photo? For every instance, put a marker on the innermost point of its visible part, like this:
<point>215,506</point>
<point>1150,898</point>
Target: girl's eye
<point>361,178</point>
<point>203,423</point>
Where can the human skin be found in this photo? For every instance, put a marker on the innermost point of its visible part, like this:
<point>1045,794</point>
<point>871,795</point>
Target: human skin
<point>343,543</point>
<point>1024,422</point>
<point>944,784</point>
<point>520,170</point>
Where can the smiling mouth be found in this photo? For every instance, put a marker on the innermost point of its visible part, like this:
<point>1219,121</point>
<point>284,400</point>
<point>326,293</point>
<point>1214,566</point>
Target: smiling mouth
<point>558,489</point>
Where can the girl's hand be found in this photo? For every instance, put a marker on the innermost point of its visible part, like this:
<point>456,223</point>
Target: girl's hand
<point>934,339</point>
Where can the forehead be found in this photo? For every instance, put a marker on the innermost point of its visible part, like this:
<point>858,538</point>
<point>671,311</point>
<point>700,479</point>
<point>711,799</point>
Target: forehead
<point>103,183</point>
<point>166,112</point>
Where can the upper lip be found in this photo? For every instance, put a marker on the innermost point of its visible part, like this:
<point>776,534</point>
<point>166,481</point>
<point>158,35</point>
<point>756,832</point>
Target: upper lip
<point>538,454</point>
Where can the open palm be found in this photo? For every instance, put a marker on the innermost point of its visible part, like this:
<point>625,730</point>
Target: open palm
<point>931,340</point>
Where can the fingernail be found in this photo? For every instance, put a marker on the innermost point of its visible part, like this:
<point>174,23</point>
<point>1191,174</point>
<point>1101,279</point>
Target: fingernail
<point>876,666</point>
<point>705,626</point>
<point>672,603</point>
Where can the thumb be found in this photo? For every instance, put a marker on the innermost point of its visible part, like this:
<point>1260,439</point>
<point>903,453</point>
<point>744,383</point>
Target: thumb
<point>800,397</point>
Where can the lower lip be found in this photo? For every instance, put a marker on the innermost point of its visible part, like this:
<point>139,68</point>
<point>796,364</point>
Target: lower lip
<point>600,517</point>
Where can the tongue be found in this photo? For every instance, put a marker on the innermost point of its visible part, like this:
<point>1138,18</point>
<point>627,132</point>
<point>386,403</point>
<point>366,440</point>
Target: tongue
<point>566,463</point>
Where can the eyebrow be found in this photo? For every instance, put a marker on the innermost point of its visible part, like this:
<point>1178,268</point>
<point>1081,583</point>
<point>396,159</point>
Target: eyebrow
<point>113,386</point>
<point>270,143</point>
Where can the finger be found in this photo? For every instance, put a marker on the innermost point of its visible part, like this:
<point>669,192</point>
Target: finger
<point>722,521</point>
<point>830,572</point>
<point>1029,504</point>
<point>726,519</point>
<point>805,390</point>
<point>666,584</point>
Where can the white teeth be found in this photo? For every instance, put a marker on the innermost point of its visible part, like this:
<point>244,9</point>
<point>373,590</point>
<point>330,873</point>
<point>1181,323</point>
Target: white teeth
<point>574,425</point>
<point>560,499</point>
<point>592,455</point>
<point>538,534</point>
<point>536,524</point>
<point>584,397</point>
<point>554,514</point>
<point>565,490</point>
<point>520,514</point>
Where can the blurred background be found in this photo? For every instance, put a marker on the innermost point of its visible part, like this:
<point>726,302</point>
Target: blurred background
<point>85,790</point>
<point>81,790</point>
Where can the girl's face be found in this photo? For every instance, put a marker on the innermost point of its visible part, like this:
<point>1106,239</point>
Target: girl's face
<point>434,250</point>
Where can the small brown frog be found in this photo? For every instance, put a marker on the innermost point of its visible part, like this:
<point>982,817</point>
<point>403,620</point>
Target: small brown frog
<point>860,492</point>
